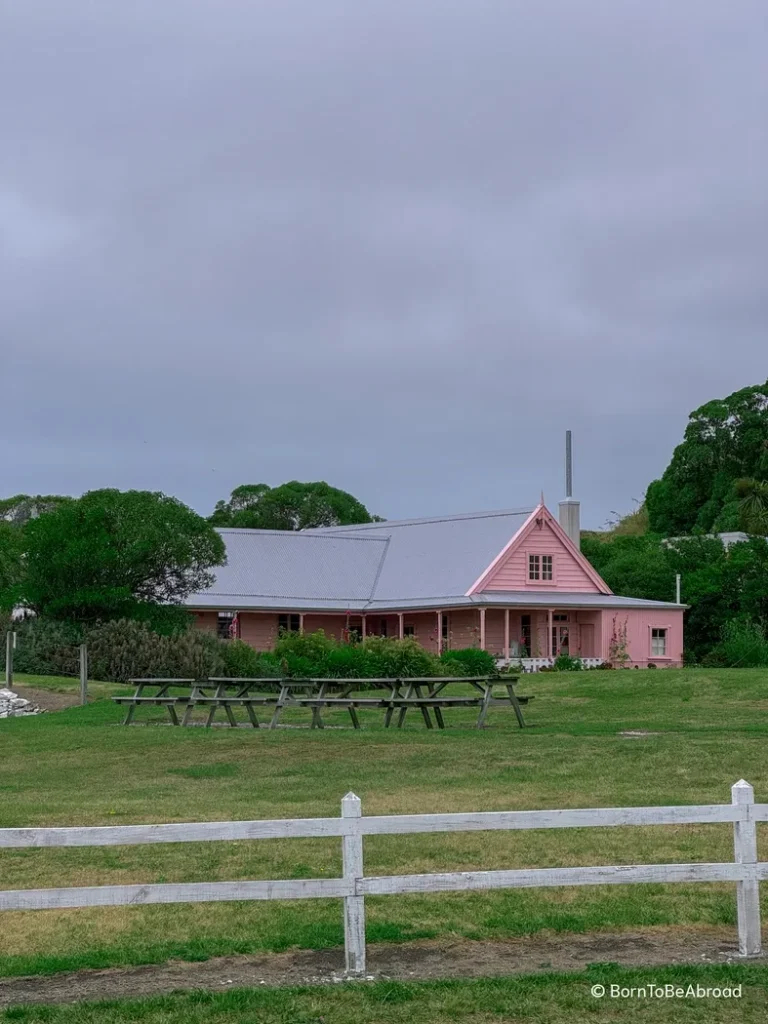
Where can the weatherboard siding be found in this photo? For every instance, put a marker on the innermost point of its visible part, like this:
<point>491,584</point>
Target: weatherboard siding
<point>511,573</point>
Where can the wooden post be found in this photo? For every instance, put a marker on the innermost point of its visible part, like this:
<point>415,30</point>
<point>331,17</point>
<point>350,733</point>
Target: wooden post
<point>400,626</point>
<point>506,633</point>
<point>83,673</point>
<point>301,622</point>
<point>362,627</point>
<point>439,637</point>
<point>9,638</point>
<point>482,629</point>
<point>748,891</point>
<point>354,906</point>
<point>550,648</point>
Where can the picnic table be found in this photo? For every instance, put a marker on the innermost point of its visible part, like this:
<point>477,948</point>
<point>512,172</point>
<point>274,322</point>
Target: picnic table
<point>428,695</point>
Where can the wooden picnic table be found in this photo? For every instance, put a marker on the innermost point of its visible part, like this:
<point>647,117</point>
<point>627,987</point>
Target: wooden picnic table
<point>425,694</point>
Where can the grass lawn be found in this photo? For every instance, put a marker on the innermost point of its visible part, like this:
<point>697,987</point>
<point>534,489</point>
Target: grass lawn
<point>81,767</point>
<point>543,999</point>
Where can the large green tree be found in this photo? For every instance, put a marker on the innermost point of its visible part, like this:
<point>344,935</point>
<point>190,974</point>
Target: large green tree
<point>725,441</point>
<point>291,506</point>
<point>10,565</point>
<point>112,554</point>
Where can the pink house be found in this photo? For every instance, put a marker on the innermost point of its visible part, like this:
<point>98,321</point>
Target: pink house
<point>512,582</point>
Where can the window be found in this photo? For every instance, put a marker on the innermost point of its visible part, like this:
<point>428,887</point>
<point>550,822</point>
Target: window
<point>354,628</point>
<point>227,626</point>
<point>445,632</point>
<point>561,641</point>
<point>658,642</point>
<point>383,627</point>
<point>541,568</point>
<point>288,623</point>
<point>409,630</point>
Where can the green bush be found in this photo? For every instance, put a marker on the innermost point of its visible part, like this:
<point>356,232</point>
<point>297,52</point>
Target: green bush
<point>468,661</point>
<point>743,644</point>
<point>565,663</point>
<point>126,649</point>
<point>47,647</point>
<point>240,660</point>
<point>390,658</point>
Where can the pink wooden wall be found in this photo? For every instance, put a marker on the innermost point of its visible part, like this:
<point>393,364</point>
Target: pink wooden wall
<point>511,573</point>
<point>589,630</point>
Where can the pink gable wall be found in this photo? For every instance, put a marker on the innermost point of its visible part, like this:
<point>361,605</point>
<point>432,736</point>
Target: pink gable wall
<point>570,575</point>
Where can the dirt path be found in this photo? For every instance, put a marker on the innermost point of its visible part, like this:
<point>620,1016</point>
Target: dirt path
<point>48,700</point>
<point>408,961</point>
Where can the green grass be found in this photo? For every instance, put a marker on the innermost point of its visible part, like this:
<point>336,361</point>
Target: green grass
<point>543,999</point>
<point>81,767</point>
<point>65,684</point>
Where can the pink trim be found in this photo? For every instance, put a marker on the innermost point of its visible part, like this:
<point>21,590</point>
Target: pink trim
<point>560,533</point>
<point>486,573</point>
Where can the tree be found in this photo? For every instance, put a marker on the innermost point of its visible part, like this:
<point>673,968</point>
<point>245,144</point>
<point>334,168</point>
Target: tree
<point>292,506</point>
<point>726,440</point>
<point>10,565</point>
<point>113,554</point>
<point>754,505</point>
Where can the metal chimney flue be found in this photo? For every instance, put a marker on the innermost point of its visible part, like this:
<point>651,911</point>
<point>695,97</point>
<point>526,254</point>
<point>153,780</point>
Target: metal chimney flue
<point>569,508</point>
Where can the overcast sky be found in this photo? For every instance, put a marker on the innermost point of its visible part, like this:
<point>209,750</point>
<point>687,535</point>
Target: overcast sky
<point>398,245</point>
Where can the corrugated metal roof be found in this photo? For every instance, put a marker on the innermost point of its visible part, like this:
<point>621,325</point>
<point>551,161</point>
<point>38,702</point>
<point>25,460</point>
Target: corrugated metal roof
<point>414,563</point>
<point>280,564</point>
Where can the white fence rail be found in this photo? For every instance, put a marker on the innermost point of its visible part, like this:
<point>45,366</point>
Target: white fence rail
<point>743,813</point>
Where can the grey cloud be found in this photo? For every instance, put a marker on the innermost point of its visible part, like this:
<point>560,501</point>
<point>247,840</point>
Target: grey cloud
<point>400,246</point>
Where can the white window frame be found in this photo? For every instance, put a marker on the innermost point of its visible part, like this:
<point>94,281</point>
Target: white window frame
<point>652,654</point>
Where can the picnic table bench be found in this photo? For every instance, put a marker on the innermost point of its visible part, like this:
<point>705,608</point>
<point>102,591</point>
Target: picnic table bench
<point>425,694</point>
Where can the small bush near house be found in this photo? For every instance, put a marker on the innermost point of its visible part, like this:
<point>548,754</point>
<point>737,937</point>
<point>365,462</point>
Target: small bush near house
<point>388,657</point>
<point>241,661</point>
<point>566,663</point>
<point>470,661</point>
<point>122,650</point>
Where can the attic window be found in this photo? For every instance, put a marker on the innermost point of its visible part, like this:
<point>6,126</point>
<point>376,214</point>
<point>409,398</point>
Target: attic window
<point>540,568</point>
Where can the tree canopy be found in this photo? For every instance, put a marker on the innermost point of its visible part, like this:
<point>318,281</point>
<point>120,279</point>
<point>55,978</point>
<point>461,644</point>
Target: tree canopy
<point>112,553</point>
<point>10,565</point>
<point>726,441</point>
<point>291,506</point>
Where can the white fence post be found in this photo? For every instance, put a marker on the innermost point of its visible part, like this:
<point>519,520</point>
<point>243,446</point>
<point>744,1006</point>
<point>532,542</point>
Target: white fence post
<point>748,891</point>
<point>354,906</point>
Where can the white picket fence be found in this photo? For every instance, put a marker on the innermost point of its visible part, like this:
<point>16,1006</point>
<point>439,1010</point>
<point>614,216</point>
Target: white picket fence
<point>354,886</point>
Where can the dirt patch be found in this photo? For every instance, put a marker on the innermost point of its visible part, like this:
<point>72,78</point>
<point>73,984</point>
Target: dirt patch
<point>47,700</point>
<point>651,947</point>
<point>637,734</point>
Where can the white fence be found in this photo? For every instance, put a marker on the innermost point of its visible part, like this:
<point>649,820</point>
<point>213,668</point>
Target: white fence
<point>354,886</point>
<point>534,664</point>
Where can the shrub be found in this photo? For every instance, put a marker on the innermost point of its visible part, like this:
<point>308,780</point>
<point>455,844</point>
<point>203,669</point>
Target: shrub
<point>469,661</point>
<point>389,657</point>
<point>566,663</point>
<point>304,654</point>
<point>240,660</point>
<point>47,648</point>
<point>652,664</point>
<point>743,644</point>
<point>127,649</point>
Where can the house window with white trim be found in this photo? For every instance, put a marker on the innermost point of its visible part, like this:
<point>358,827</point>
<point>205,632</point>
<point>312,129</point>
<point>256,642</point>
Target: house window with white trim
<point>658,642</point>
<point>409,630</point>
<point>541,568</point>
<point>288,623</point>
